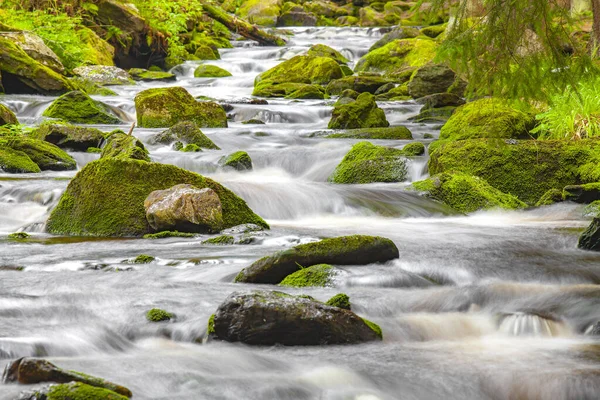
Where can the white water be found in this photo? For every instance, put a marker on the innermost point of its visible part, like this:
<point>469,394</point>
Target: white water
<point>489,306</point>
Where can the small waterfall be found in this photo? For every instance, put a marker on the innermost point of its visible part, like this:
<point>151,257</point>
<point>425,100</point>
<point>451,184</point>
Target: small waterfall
<point>522,324</point>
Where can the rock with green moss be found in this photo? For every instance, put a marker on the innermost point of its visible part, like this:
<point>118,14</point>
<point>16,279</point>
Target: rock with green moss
<point>400,32</point>
<point>95,150</point>
<point>268,318</point>
<point>414,149</point>
<point>103,75</point>
<point>340,300</point>
<point>592,209</point>
<point>124,146</point>
<point>367,163</point>
<point>22,74</point>
<point>434,31</point>
<point>291,91</point>
<point>360,84</point>
<point>590,238</point>
<point>391,133</point>
<point>552,196</point>
<point>440,100</point>
<point>253,121</point>
<point>398,57</point>
<point>143,259</point>
<point>583,194</point>
<point>106,198</point>
<point>47,156</point>
<point>210,326</point>
<point>28,371</point>
<point>165,107</point>
<point>19,236</point>
<point>7,117</point>
<point>374,327</point>
<point>14,161</point>
<point>487,118</point>
<point>68,136</point>
<point>240,160</point>
<point>344,250</point>
<point>361,113</point>
<point>35,48</point>
<point>78,107</point>
<point>321,275</point>
<point>297,18</point>
<point>158,315</point>
<point>321,50</point>
<point>220,240</point>
<point>169,234</point>
<point>260,12</point>
<point>398,93</point>
<point>466,193</point>
<point>435,78</point>
<point>89,87</point>
<point>210,71</point>
<point>144,75</point>
<point>325,9</point>
<point>72,391</point>
<point>431,115</point>
<point>526,169</point>
<point>187,133</point>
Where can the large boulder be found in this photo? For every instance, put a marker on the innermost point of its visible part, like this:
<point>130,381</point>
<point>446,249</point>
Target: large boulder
<point>165,107</point>
<point>187,133</point>
<point>125,147</point>
<point>78,107</point>
<point>106,198</point>
<point>46,156</point>
<point>27,371</point>
<point>359,84</point>
<point>268,318</point>
<point>104,75</point>
<point>367,163</point>
<point>590,238</point>
<point>7,117</point>
<point>398,57</point>
<point>344,250</point>
<point>435,78</point>
<point>361,113</point>
<point>488,118</point>
<point>466,193</point>
<point>20,73</point>
<point>35,48</point>
<point>184,208</point>
<point>67,136</point>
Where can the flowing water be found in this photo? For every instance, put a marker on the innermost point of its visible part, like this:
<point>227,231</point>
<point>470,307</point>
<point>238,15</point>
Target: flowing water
<point>495,305</point>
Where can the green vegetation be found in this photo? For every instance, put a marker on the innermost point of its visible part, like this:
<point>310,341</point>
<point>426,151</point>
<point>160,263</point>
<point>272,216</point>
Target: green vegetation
<point>184,134</point>
<point>367,163</point>
<point>81,391</point>
<point>550,197</point>
<point>124,146</point>
<point>390,133</point>
<point>360,113</point>
<point>340,300</point>
<point>158,315</point>
<point>210,71</point>
<point>398,57</point>
<point>143,259</point>
<point>414,149</point>
<point>240,160</point>
<point>220,240</point>
<point>168,234</point>
<point>78,107</point>
<point>210,327</point>
<point>19,236</point>
<point>316,275</point>
<point>374,327</point>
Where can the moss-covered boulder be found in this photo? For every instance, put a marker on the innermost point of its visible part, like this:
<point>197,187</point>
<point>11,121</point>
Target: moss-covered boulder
<point>487,118</point>
<point>186,133</point>
<point>268,318</point>
<point>317,275</point>
<point>78,107</point>
<point>398,56</point>
<point>103,75</point>
<point>340,300</point>
<point>590,238</point>
<point>240,160</point>
<point>220,240</point>
<point>7,117</point>
<point>367,163</point>
<point>291,91</point>
<point>124,146</point>
<point>526,169</point>
<point>321,50</point>
<point>35,48</point>
<point>67,136</point>
<point>344,250</point>
<point>210,71</point>
<point>106,198</point>
<point>435,78</point>
<point>583,194</point>
<point>73,391</point>
<point>19,73</point>
<point>297,18</point>
<point>46,155</point>
<point>552,196</point>
<point>414,149</point>
<point>434,31</point>
<point>466,193</point>
<point>325,9</point>
<point>361,113</point>
<point>13,161</point>
<point>165,107</point>
<point>89,87</point>
<point>392,133</point>
<point>360,84</point>
<point>144,75</point>
<point>260,12</point>
<point>399,32</point>
<point>158,315</point>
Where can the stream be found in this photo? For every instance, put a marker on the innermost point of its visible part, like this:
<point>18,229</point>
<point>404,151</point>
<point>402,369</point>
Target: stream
<point>494,305</point>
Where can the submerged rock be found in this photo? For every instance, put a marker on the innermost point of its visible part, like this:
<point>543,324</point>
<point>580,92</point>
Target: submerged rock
<point>124,146</point>
<point>158,315</point>
<point>186,132</point>
<point>184,208</point>
<point>268,318</point>
<point>7,117</point>
<point>210,71</point>
<point>361,113</point>
<point>103,75</point>
<point>67,136</point>
<point>590,238</point>
<point>106,198</point>
<point>367,163</point>
<point>344,250</point>
<point>78,107</point>
<point>165,107</point>
<point>240,160</point>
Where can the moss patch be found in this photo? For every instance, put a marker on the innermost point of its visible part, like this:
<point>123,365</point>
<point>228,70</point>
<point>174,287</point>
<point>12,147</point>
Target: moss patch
<point>321,50</point>
<point>317,275</point>
<point>240,160</point>
<point>360,84</point>
<point>46,155</point>
<point>550,197</point>
<point>374,327</point>
<point>398,56</point>
<point>67,136</point>
<point>14,161</point>
<point>7,117</point>
<point>414,149</point>
<point>210,71</point>
<point>143,259</point>
<point>391,133</point>
<point>158,315</point>
<point>340,300</point>
<point>361,113</point>
<point>187,133</point>
<point>81,391</point>
<point>78,107</point>
<point>124,146</point>
<point>19,236</point>
<point>139,74</point>
<point>210,327</point>
<point>220,240</point>
<point>168,234</point>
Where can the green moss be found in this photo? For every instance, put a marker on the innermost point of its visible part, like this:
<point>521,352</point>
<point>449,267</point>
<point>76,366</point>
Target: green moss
<point>78,107</point>
<point>139,74</point>
<point>253,121</point>
<point>89,87</point>
<point>68,136</point>
<point>260,12</point>
<point>14,161</point>
<point>191,148</point>
<point>158,315</point>
<point>317,275</point>
<point>19,236</point>
<point>143,259</point>
<point>361,113</point>
<point>165,107</point>
<point>106,198</point>
<point>46,155</point>
<point>441,115</point>
<point>414,149</point>
<point>487,118</point>
<point>320,50</point>
<point>359,84</point>
<point>7,117</point>
<point>187,133</point>
<point>592,209</point>
<point>93,150</point>
<point>77,376</point>
<point>124,146</point>
<point>240,160</point>
<point>210,327</point>
<point>220,240</point>
<point>168,234</point>
<point>398,56</point>
<point>341,300</point>
<point>81,391</point>
<point>210,71</point>
<point>374,327</point>
<point>391,133</point>
<point>290,91</point>
<point>434,31</point>
<point>550,197</point>
<point>367,163</point>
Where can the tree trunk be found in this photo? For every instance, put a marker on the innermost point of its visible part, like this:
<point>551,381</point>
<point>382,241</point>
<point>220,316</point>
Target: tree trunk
<point>242,27</point>
<point>596,24</point>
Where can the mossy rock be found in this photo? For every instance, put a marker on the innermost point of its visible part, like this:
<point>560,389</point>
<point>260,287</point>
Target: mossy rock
<point>488,118</point>
<point>79,391</point>
<point>320,275</point>
<point>466,193</point>
<point>19,236</point>
<point>435,78</point>
<point>414,149</point>
<point>398,56</point>
<point>552,196</point>
<point>392,133</point>
<point>205,52</point>
<point>582,194</point>
<point>89,87</point>
<point>396,34</point>
<point>7,117</point>
<point>434,31</point>
<point>297,18</point>
<point>399,93</point>
<point>210,71</point>
<point>240,160</point>
<point>14,161</point>
<point>526,169</point>
<point>367,163</point>
<point>343,250</point>
<point>325,9</point>
<point>592,209</point>
<point>165,107</point>
<point>361,113</point>
<point>104,75</point>
<point>158,315</point>
<point>168,234</point>
<point>360,84</point>
<point>374,327</point>
<point>340,300</point>
<point>47,156</point>
<point>431,115</point>
<point>68,136</point>
<point>187,133</point>
<point>321,50</point>
<point>144,75</point>
<point>220,240</point>
<point>291,91</point>
<point>260,12</point>
<point>78,107</point>
<point>590,238</point>
<point>122,146</point>
<point>143,259</point>
<point>106,198</point>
